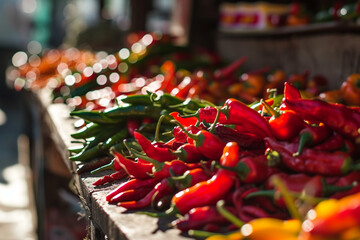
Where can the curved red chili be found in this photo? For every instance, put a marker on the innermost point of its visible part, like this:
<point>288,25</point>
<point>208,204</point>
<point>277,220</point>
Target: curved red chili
<point>339,118</point>
<point>312,161</point>
<point>139,170</point>
<point>158,152</point>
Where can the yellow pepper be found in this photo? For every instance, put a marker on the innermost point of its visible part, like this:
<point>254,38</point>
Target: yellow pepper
<point>271,228</point>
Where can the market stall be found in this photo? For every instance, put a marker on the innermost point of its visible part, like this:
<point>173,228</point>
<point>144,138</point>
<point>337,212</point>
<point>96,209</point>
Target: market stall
<point>175,141</point>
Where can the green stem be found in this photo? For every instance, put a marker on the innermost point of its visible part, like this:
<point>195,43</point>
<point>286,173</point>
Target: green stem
<point>104,167</point>
<point>288,198</point>
<point>262,193</point>
<point>212,128</point>
<point>190,135</point>
<point>201,234</point>
<point>220,206</point>
<point>305,138</point>
<point>269,109</point>
<point>157,130</point>
<point>331,189</point>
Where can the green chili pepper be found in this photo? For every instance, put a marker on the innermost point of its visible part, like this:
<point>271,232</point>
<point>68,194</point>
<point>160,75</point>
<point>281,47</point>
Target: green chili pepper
<point>133,111</point>
<point>101,148</point>
<point>136,99</point>
<point>94,116</point>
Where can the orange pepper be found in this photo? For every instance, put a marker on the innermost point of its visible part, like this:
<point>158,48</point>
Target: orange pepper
<point>350,89</point>
<point>334,217</point>
<point>333,96</point>
<point>253,84</point>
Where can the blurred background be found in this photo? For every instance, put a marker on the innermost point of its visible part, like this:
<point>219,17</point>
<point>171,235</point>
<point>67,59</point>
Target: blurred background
<point>39,204</point>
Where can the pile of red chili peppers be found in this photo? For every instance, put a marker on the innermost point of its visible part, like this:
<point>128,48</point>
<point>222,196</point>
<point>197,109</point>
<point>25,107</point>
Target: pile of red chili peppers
<point>288,167</point>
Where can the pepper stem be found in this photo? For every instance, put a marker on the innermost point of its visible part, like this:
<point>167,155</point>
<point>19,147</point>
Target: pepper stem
<point>170,212</point>
<point>157,130</point>
<point>200,233</point>
<point>220,206</point>
<point>269,109</point>
<point>328,189</point>
<point>288,198</point>
<point>241,169</point>
<point>305,138</point>
<point>190,135</point>
<point>158,165</point>
<point>212,128</point>
<point>273,158</point>
<point>262,193</point>
<point>104,167</point>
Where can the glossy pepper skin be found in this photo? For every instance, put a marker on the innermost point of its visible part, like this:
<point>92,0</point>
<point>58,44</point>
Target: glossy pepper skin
<point>208,144</point>
<point>244,140</point>
<point>163,186</point>
<point>312,135</point>
<point>212,190</point>
<point>131,195</point>
<point>198,217</point>
<point>311,161</point>
<point>236,112</point>
<point>138,170</point>
<point>158,152</point>
<point>131,184</point>
<point>339,118</point>
<point>332,143</point>
<point>284,126</point>
<point>350,90</point>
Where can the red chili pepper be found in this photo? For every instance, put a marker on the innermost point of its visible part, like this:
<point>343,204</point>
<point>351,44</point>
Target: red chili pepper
<point>244,140</point>
<point>208,144</point>
<point>131,195</point>
<point>185,121</point>
<point>158,152</point>
<point>284,126</point>
<point>110,178</point>
<point>318,187</point>
<point>180,136</point>
<point>338,117</point>
<point>210,191</point>
<point>168,68</point>
<point>132,125</point>
<point>247,210</point>
<point>198,217</point>
<point>252,169</point>
<point>164,169</point>
<point>188,153</point>
<point>230,69</point>
<point>332,143</point>
<point>239,113</point>
<point>235,112</point>
<point>138,170</point>
<point>184,86</point>
<point>315,186</point>
<point>312,135</point>
<point>190,178</point>
<point>351,178</point>
<point>131,184</point>
<point>162,186</point>
<point>312,161</point>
